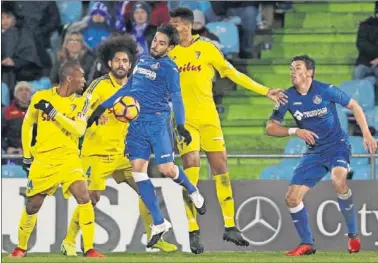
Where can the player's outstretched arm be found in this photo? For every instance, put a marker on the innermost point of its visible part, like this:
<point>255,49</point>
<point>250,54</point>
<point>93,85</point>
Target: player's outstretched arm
<point>369,142</point>
<point>227,70</point>
<point>173,82</point>
<point>76,127</point>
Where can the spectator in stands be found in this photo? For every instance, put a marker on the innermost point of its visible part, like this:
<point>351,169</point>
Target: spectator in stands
<point>159,13</point>
<point>98,27</point>
<point>367,44</point>
<point>74,48</point>
<point>141,29</point>
<point>13,116</point>
<point>19,55</point>
<point>40,18</point>
<point>246,12</point>
<point>199,27</point>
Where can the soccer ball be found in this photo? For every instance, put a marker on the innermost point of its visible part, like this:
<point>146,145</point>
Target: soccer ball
<point>126,109</point>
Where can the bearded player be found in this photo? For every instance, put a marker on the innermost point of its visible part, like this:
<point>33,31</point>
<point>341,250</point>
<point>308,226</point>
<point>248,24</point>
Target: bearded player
<point>54,160</point>
<point>196,59</point>
<point>102,153</point>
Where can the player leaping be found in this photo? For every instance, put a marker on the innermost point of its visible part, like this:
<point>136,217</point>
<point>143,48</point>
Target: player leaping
<point>54,159</point>
<point>313,106</point>
<point>102,153</point>
<point>154,79</point>
<point>197,59</point>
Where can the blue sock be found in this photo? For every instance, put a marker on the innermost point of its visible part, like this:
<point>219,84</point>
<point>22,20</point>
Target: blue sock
<point>183,180</point>
<point>300,220</point>
<point>348,211</point>
<point>146,191</point>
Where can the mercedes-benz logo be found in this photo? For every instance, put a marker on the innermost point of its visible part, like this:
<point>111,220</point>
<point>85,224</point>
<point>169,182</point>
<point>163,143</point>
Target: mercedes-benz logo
<point>247,219</point>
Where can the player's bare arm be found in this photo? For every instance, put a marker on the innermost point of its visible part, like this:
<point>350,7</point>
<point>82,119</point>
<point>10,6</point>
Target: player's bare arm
<point>369,142</point>
<point>274,128</point>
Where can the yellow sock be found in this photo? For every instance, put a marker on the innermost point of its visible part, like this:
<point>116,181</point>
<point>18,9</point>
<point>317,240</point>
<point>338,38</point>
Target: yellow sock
<point>146,218</point>
<point>226,201</point>
<point>191,212</point>
<point>87,224</point>
<point>25,228</point>
<point>73,228</point>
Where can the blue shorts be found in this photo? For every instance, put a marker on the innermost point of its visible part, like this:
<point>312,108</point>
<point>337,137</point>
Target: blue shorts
<point>315,164</point>
<point>145,137</point>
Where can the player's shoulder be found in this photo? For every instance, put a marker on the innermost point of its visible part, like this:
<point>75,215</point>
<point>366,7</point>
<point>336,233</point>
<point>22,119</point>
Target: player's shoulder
<point>105,79</point>
<point>291,91</point>
<point>168,64</point>
<point>44,94</point>
<point>206,44</point>
<point>323,86</point>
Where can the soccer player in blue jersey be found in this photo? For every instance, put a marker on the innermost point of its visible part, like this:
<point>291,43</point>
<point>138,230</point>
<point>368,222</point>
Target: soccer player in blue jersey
<point>154,80</point>
<point>313,106</point>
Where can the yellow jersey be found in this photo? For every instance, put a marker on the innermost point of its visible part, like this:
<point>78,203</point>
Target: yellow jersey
<point>196,64</point>
<point>57,137</point>
<point>105,139</point>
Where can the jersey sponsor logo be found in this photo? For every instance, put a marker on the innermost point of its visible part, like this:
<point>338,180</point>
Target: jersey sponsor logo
<point>189,67</point>
<point>155,66</point>
<point>146,72</point>
<point>309,114</point>
<point>317,99</point>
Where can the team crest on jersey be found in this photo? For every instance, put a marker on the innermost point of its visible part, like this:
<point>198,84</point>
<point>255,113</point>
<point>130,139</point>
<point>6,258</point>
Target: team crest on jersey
<point>317,99</point>
<point>155,66</point>
<point>174,58</point>
<point>73,107</point>
<point>198,54</point>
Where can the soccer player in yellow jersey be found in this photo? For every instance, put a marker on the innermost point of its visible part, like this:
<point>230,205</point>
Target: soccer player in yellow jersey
<point>54,160</point>
<point>102,152</point>
<point>197,59</point>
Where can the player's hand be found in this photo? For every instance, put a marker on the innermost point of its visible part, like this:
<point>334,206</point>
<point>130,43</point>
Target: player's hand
<point>370,143</point>
<point>277,95</point>
<point>307,136</point>
<point>184,133</point>
<point>95,116</point>
<point>26,163</point>
<point>46,107</point>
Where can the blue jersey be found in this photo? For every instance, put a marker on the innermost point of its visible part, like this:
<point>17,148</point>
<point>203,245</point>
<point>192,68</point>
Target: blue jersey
<point>316,111</point>
<point>152,83</point>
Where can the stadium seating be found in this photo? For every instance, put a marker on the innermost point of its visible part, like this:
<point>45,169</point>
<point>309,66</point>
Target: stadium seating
<point>343,118</point>
<point>40,84</point>
<point>70,11</point>
<point>228,35</point>
<point>5,96</point>
<point>362,91</point>
<point>12,171</point>
<point>361,172</point>
<point>372,117</point>
<point>358,148</point>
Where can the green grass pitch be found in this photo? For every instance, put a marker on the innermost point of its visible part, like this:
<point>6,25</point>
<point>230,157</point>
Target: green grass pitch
<point>321,256</point>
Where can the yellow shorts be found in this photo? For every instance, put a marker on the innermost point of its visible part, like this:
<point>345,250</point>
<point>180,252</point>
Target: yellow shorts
<point>207,137</point>
<point>45,178</point>
<point>99,167</point>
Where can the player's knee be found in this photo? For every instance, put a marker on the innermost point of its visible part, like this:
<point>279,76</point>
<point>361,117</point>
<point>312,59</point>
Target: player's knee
<point>95,197</point>
<point>191,159</point>
<point>168,169</point>
<point>338,176</point>
<point>292,200</point>
<point>32,208</point>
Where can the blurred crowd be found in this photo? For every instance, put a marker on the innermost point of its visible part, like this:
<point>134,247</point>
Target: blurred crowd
<point>39,36</point>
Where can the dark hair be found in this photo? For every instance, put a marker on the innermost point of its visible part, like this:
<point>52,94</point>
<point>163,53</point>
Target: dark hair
<point>308,61</point>
<point>171,32</point>
<point>119,43</point>
<point>67,68</point>
<point>184,13</point>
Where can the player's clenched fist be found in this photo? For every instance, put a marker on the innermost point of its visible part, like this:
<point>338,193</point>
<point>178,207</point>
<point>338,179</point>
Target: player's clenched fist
<point>307,135</point>
<point>184,133</point>
<point>46,107</point>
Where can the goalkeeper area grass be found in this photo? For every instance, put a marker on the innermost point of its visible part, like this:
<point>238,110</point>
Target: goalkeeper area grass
<point>321,256</point>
